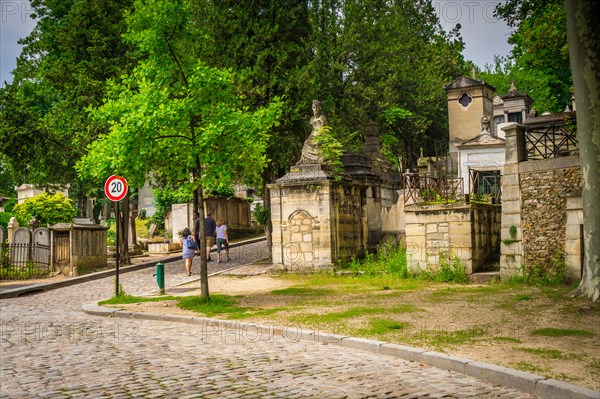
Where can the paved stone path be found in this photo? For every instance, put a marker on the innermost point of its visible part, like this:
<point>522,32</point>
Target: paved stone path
<point>50,348</point>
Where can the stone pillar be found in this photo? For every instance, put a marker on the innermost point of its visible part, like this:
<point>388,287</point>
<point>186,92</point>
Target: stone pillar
<point>511,246</point>
<point>13,225</point>
<point>574,239</point>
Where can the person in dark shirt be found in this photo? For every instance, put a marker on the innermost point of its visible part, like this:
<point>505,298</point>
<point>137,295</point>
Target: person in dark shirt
<point>210,232</point>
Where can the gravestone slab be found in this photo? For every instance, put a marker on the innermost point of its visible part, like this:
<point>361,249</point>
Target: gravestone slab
<point>41,246</point>
<point>2,235</point>
<point>22,236</point>
<point>19,253</point>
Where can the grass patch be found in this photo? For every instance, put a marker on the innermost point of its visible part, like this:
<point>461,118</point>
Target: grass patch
<point>595,364</point>
<point>127,299</point>
<point>532,368</point>
<point>304,291</point>
<point>545,353</point>
<point>335,317</point>
<point>381,327</point>
<point>524,297</point>
<point>440,339</point>
<point>561,332</point>
<point>216,305</point>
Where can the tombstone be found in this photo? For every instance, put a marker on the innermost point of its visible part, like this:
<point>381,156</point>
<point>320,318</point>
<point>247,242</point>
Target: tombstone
<point>19,254</point>
<point>152,230</point>
<point>2,235</point>
<point>41,246</point>
<point>22,236</point>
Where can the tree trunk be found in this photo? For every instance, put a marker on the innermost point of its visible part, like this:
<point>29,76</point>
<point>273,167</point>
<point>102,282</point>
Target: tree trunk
<point>199,199</point>
<point>584,53</point>
<point>134,214</point>
<point>125,259</point>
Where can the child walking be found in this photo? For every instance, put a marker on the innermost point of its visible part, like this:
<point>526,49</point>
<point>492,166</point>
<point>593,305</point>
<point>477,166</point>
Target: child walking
<point>222,239</point>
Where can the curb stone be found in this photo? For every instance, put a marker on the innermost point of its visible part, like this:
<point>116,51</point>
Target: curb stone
<point>38,288</point>
<point>525,382</point>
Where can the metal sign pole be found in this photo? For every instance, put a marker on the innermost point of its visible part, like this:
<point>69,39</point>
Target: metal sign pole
<point>117,212</point>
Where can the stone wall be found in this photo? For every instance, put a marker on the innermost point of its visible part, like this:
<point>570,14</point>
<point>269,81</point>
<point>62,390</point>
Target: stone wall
<point>468,231</point>
<point>544,211</point>
<point>318,223</point>
<point>234,211</point>
<point>302,230</point>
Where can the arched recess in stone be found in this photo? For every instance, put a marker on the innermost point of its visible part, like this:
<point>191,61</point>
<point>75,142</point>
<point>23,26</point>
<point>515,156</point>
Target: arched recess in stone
<point>300,252</point>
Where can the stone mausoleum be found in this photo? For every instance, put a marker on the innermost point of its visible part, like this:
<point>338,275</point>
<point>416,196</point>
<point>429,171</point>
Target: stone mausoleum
<point>319,219</point>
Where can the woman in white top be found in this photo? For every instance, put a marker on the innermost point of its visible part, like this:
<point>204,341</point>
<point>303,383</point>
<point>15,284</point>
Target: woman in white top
<point>222,239</point>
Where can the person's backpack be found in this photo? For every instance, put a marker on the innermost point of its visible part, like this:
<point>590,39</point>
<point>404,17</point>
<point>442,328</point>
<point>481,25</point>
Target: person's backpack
<point>189,243</point>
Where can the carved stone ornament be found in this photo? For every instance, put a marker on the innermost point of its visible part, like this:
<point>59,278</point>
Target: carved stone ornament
<point>311,151</point>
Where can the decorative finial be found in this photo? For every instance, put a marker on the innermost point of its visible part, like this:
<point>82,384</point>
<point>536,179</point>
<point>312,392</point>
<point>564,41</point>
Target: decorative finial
<point>567,109</point>
<point>474,73</point>
<point>512,87</point>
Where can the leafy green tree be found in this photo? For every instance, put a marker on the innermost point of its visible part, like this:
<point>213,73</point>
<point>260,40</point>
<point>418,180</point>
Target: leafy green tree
<point>74,49</point>
<point>176,117</point>
<point>373,57</point>
<point>266,45</point>
<point>539,61</point>
<point>48,208</point>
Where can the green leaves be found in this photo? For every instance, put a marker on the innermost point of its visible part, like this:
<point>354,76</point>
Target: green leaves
<point>48,208</point>
<point>175,115</point>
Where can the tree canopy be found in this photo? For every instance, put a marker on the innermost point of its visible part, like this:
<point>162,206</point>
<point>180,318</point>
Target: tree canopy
<point>539,62</point>
<point>176,117</point>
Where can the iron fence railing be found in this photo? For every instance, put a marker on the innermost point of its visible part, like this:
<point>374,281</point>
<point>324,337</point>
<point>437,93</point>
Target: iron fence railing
<point>429,187</point>
<point>20,261</point>
<point>550,142</point>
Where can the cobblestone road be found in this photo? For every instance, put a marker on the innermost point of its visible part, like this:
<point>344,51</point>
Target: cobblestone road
<point>50,348</point>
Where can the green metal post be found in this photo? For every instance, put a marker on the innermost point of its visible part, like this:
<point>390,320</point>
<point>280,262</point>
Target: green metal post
<point>160,277</point>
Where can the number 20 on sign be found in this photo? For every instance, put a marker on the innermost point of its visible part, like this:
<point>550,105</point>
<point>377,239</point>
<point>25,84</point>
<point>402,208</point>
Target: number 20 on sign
<point>115,188</point>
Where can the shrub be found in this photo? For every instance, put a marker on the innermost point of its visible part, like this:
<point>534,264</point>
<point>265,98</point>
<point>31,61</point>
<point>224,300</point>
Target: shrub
<point>5,218</point>
<point>164,199</point>
<point>48,208</point>
<point>552,274</point>
<point>390,259</point>
<point>451,270</point>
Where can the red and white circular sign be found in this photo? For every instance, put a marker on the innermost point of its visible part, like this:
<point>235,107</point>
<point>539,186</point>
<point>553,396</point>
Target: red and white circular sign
<point>115,188</point>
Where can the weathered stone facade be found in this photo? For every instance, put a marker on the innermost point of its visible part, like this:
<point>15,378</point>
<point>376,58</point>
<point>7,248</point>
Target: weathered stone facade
<point>317,223</point>
<point>469,231</point>
<point>542,204</point>
<point>86,247</point>
<point>544,211</point>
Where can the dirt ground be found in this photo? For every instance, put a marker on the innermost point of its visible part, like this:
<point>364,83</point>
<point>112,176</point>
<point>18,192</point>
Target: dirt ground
<point>494,327</point>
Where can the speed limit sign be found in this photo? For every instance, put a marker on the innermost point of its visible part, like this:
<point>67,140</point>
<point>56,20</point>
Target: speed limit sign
<point>115,188</point>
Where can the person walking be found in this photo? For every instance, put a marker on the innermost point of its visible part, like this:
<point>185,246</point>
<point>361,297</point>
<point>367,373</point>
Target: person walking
<point>188,247</point>
<point>222,239</point>
<point>210,230</point>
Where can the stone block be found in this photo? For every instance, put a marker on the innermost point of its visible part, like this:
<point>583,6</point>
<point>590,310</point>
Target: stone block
<point>431,228</point>
<point>362,344</point>
<point>499,375</point>
<point>559,389</point>
<point>444,361</point>
<point>401,351</point>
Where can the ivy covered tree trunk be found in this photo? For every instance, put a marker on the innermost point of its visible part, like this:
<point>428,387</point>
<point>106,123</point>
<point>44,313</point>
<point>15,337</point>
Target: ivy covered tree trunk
<point>584,52</point>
